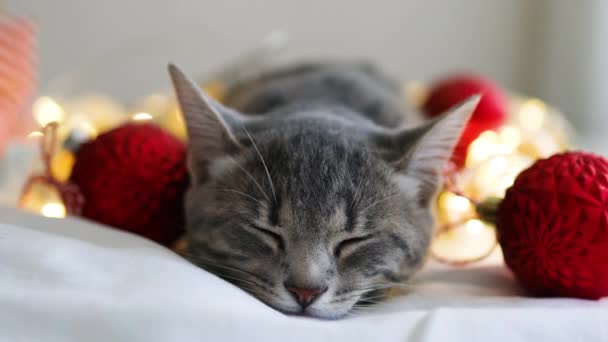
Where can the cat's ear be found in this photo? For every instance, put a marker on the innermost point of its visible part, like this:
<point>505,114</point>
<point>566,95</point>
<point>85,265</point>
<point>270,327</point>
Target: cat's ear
<point>421,153</point>
<point>209,124</point>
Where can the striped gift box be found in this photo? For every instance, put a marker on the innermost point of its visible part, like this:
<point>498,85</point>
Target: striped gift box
<point>18,76</point>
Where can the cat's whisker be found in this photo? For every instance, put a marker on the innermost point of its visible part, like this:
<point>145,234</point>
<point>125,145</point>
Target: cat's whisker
<point>362,310</point>
<point>240,280</point>
<point>378,202</point>
<point>240,193</point>
<point>256,291</point>
<point>356,197</point>
<point>367,304</point>
<point>274,195</point>
<point>378,295</point>
<point>360,297</point>
<point>351,314</point>
<point>231,269</point>
<point>373,300</point>
<point>382,286</point>
<point>360,307</point>
<point>250,176</point>
<point>360,292</point>
<point>357,311</point>
<point>251,290</point>
<point>212,263</point>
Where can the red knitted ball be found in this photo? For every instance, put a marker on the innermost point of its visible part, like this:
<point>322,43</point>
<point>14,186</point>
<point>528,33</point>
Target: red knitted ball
<point>491,112</point>
<point>134,178</point>
<point>553,226</point>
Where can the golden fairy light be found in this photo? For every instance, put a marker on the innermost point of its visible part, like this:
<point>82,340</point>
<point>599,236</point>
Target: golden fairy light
<point>533,114</point>
<point>464,243</point>
<point>474,226</point>
<point>53,209</point>
<point>62,163</point>
<point>35,134</point>
<point>455,208</point>
<point>493,162</point>
<point>510,136</point>
<point>47,110</point>
<point>142,116</point>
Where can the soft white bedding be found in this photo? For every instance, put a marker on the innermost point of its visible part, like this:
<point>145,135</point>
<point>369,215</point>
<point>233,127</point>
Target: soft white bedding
<point>69,280</point>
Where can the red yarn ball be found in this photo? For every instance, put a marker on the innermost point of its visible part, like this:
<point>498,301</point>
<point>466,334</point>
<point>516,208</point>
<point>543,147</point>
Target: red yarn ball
<point>490,114</point>
<point>553,226</point>
<point>134,178</point>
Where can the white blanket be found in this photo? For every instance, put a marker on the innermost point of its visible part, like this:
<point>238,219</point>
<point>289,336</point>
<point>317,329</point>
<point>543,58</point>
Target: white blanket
<point>70,280</point>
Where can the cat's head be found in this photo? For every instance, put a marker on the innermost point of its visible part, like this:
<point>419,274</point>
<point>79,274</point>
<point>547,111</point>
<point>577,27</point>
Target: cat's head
<point>310,216</point>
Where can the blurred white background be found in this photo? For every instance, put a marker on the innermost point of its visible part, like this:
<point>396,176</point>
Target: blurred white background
<point>553,49</point>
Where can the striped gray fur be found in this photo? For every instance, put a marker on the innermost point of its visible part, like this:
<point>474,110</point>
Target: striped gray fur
<point>308,178</point>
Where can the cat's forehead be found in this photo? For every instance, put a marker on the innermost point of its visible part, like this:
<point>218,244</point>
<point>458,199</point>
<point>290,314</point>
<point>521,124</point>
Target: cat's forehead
<point>302,222</point>
<point>324,184</point>
<point>320,179</point>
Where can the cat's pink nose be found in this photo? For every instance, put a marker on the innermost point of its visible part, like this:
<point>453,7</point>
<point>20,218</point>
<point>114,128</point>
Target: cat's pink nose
<point>305,296</point>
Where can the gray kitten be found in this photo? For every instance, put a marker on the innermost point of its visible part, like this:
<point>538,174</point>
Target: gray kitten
<point>312,196</point>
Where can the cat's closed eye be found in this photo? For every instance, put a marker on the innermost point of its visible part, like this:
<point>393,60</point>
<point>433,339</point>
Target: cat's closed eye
<point>350,244</point>
<point>276,238</point>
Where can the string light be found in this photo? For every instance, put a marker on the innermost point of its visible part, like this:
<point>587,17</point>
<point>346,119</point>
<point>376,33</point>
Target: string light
<point>453,207</point>
<point>35,134</point>
<point>458,203</point>
<point>53,209</point>
<point>493,162</point>
<point>532,114</point>
<point>510,136</point>
<point>474,226</point>
<point>46,110</point>
<point>142,116</point>
<point>490,143</point>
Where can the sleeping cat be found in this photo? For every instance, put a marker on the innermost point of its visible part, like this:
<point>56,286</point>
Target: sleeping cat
<point>307,190</point>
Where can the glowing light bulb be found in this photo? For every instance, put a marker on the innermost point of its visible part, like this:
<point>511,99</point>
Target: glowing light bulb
<point>142,116</point>
<point>532,114</point>
<point>474,227</point>
<point>458,203</point>
<point>35,134</point>
<point>496,165</point>
<point>46,110</point>
<point>453,207</point>
<point>495,175</point>
<point>510,136</point>
<point>53,209</point>
<point>483,147</point>
<point>88,128</point>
